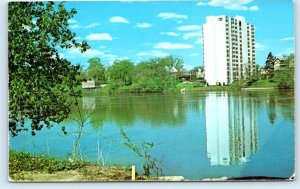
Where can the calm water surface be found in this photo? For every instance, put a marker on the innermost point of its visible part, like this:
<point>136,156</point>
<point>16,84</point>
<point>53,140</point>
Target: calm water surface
<point>196,135</point>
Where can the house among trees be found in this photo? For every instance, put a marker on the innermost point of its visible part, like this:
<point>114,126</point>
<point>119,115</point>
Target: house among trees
<point>279,64</point>
<point>174,70</point>
<point>199,73</point>
<point>88,85</point>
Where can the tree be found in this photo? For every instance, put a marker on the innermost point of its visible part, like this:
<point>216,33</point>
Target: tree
<point>269,66</point>
<point>172,61</point>
<point>285,76</point>
<point>121,73</point>
<point>40,81</point>
<point>96,70</point>
<point>154,75</point>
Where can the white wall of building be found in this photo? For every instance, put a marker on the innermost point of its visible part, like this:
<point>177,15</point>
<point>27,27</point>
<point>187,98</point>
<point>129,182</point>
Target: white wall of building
<point>226,49</point>
<point>215,50</point>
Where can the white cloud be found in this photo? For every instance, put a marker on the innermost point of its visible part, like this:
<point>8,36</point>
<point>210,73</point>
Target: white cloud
<point>92,25</point>
<point>287,39</point>
<point>92,53</point>
<point>99,36</point>
<point>61,55</point>
<point>143,25</point>
<point>118,19</point>
<point>199,41</point>
<point>74,53</point>
<point>74,26</point>
<point>191,35</point>
<point>179,21</point>
<point>259,46</point>
<point>142,54</point>
<point>159,54</point>
<point>72,21</point>
<point>170,34</point>
<point>167,45</point>
<point>170,15</point>
<point>201,3</point>
<point>189,28</point>
<point>254,8</point>
<point>77,38</point>
<point>110,56</point>
<point>188,66</point>
<point>287,51</point>
<point>102,47</point>
<point>194,54</point>
<point>233,4</point>
<point>156,53</point>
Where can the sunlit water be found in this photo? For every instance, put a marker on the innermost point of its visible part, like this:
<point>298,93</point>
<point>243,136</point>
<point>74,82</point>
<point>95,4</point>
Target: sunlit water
<point>196,135</point>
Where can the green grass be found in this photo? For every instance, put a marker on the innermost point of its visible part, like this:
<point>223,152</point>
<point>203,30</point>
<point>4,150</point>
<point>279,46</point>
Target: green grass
<point>263,84</point>
<point>189,86</point>
<point>22,161</point>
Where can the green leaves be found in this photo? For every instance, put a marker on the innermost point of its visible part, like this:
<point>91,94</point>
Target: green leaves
<point>285,76</point>
<point>121,73</point>
<point>96,70</point>
<point>40,82</point>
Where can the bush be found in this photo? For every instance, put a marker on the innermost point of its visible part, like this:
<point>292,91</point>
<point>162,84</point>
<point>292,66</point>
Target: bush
<point>23,161</point>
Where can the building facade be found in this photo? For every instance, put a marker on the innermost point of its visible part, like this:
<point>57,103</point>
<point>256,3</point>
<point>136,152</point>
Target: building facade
<point>229,49</point>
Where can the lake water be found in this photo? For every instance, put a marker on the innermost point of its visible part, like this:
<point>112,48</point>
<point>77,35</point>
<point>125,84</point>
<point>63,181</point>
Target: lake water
<point>196,135</point>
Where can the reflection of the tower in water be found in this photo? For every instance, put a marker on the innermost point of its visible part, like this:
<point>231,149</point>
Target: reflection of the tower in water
<point>231,128</point>
<point>89,103</point>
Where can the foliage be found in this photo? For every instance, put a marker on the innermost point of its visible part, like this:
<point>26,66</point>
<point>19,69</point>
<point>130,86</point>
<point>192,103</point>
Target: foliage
<point>143,151</point>
<point>22,161</point>
<point>149,76</point>
<point>172,61</point>
<point>285,77</point>
<point>83,76</point>
<point>263,83</point>
<point>121,73</point>
<point>269,66</point>
<point>154,75</point>
<point>96,70</point>
<point>80,122</point>
<point>189,85</point>
<point>289,60</point>
<point>238,84</point>
<point>40,81</point>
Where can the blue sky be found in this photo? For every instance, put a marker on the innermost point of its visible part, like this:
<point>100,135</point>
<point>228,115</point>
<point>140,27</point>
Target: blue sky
<point>142,30</point>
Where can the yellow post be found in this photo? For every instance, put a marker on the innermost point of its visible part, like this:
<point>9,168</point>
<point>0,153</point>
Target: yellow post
<point>133,173</point>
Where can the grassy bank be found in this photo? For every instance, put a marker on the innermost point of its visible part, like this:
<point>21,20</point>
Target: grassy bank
<point>188,87</point>
<point>26,167</point>
<point>263,84</point>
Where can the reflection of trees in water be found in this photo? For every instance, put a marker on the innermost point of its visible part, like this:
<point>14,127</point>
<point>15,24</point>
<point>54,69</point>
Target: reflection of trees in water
<point>152,109</point>
<point>159,109</point>
<point>272,110</point>
<point>155,110</point>
<point>279,104</point>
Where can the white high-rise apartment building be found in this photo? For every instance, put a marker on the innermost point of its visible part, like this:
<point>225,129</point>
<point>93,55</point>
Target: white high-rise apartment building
<point>229,49</point>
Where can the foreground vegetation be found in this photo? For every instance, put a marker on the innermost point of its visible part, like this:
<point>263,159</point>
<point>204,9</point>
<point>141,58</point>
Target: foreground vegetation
<point>26,167</point>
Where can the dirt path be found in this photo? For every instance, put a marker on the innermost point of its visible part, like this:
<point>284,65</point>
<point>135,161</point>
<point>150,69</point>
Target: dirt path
<point>88,173</point>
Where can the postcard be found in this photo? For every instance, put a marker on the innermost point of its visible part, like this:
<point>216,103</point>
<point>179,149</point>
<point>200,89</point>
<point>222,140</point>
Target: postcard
<point>151,91</point>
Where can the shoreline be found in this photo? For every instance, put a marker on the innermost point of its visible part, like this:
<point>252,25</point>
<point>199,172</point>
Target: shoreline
<point>189,90</point>
<point>24,167</point>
